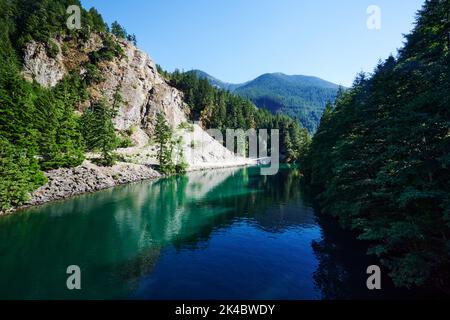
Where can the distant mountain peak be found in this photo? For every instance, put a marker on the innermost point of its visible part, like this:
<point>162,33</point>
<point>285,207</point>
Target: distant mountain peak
<point>216,82</point>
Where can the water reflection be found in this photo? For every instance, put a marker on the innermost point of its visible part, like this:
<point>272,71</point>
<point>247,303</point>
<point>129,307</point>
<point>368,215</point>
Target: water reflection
<point>343,261</point>
<point>251,235</point>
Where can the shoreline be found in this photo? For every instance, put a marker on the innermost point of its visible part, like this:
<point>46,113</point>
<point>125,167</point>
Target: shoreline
<point>31,206</point>
<point>64,184</point>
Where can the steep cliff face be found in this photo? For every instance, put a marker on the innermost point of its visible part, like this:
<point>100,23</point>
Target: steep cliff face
<point>133,75</point>
<point>39,67</point>
<point>144,93</point>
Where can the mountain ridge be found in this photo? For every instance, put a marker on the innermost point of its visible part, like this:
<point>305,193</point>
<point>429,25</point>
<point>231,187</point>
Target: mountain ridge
<point>216,82</point>
<point>299,96</point>
<point>287,77</point>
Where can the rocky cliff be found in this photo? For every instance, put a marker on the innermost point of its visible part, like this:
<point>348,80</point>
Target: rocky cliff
<point>133,76</point>
<point>144,93</point>
<point>143,90</point>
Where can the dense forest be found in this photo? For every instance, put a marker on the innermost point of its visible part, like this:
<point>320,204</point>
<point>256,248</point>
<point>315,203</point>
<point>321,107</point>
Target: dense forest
<point>300,97</point>
<point>40,128</point>
<point>380,159</point>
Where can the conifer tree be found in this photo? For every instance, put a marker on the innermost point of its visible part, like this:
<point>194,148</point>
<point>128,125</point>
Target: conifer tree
<point>118,30</point>
<point>379,160</point>
<point>98,131</point>
<point>20,174</point>
<point>163,136</point>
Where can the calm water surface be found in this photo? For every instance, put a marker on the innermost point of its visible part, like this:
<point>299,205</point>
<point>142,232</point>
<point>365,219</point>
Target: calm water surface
<point>224,234</point>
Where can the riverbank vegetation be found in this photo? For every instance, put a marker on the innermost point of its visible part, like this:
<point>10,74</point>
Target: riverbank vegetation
<point>40,128</point>
<point>168,148</point>
<point>380,159</point>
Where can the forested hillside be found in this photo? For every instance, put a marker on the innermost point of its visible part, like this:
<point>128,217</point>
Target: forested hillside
<point>219,109</point>
<point>49,127</point>
<point>380,159</point>
<point>300,97</point>
<point>216,82</point>
<point>39,128</point>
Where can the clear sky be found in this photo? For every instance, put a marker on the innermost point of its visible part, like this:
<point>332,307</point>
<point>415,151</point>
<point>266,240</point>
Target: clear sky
<point>238,40</point>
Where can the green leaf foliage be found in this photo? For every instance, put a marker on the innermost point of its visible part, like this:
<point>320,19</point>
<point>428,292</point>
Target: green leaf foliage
<point>20,174</point>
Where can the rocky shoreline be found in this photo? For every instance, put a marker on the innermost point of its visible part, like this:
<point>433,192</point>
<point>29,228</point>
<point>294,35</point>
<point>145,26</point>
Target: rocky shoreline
<point>86,178</point>
<point>145,93</point>
<point>136,165</point>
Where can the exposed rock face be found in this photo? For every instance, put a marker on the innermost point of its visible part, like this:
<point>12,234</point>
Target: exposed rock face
<point>64,183</point>
<point>144,93</point>
<point>203,151</point>
<point>143,90</point>
<point>134,76</point>
<point>38,66</point>
<point>199,149</point>
<point>167,100</point>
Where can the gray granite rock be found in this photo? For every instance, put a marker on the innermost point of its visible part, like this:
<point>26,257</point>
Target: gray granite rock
<point>64,183</point>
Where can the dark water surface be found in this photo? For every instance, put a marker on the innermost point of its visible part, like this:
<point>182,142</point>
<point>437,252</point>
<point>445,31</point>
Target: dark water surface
<point>224,234</point>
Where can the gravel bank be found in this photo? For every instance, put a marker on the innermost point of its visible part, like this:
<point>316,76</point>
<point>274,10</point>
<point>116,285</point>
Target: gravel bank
<point>65,183</point>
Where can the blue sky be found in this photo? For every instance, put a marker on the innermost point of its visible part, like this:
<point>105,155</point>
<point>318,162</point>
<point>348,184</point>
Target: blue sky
<point>238,40</point>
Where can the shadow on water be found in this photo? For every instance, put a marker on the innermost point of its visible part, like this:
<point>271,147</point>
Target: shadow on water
<point>252,236</point>
<point>342,265</point>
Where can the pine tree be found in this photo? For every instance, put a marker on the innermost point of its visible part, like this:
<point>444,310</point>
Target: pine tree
<point>132,39</point>
<point>118,30</point>
<point>46,122</point>
<point>98,131</point>
<point>379,160</point>
<point>181,164</point>
<point>19,174</point>
<point>163,136</point>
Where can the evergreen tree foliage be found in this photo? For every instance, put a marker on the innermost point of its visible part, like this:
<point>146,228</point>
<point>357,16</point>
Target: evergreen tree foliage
<point>165,146</point>
<point>132,39</point>
<point>300,97</point>
<point>380,159</point>
<point>59,139</point>
<point>20,174</point>
<point>98,131</point>
<point>220,109</point>
<point>118,30</point>
<point>181,165</point>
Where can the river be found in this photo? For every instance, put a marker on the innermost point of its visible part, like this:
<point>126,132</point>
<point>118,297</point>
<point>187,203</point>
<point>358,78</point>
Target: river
<point>221,234</point>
